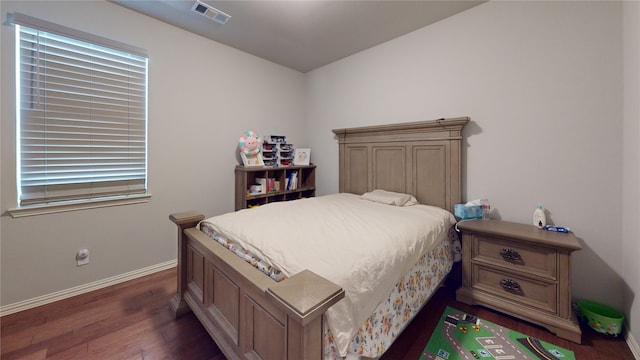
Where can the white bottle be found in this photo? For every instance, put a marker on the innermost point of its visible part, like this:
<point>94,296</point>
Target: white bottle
<point>539,218</point>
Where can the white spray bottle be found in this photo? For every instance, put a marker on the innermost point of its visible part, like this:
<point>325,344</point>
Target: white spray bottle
<point>539,217</point>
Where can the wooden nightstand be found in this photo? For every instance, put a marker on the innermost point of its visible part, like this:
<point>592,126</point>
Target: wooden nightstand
<point>520,270</point>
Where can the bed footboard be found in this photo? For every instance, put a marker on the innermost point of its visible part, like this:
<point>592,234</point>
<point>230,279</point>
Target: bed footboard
<point>248,314</point>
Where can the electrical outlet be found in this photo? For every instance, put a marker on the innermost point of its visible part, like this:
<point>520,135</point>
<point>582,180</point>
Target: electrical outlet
<point>82,257</point>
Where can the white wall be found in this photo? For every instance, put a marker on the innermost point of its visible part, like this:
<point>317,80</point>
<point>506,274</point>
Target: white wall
<point>202,96</point>
<point>542,84</point>
<point>631,169</point>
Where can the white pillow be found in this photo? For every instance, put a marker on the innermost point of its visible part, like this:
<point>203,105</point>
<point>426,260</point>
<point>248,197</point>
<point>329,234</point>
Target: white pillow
<point>390,198</point>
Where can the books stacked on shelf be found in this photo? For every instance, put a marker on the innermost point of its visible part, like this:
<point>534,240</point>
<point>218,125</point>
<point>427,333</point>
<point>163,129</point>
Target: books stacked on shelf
<point>267,185</point>
<point>291,182</point>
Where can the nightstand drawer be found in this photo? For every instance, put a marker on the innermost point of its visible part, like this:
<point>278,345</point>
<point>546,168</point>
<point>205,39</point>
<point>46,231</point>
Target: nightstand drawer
<point>510,286</point>
<point>535,260</point>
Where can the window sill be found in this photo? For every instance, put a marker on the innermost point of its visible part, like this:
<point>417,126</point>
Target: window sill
<point>33,210</point>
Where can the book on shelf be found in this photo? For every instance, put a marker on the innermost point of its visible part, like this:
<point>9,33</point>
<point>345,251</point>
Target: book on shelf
<point>292,181</point>
<point>271,185</point>
<point>268,185</point>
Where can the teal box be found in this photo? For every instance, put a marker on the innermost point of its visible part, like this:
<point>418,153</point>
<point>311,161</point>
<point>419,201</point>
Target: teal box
<point>463,211</point>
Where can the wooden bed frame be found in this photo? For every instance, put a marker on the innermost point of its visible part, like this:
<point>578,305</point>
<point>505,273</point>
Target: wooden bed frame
<point>251,316</point>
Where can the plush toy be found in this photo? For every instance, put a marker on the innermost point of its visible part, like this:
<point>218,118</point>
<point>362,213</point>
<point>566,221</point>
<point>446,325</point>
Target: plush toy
<point>250,145</point>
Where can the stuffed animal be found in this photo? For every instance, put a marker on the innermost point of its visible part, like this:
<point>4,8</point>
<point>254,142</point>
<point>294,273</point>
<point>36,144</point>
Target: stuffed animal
<point>250,143</point>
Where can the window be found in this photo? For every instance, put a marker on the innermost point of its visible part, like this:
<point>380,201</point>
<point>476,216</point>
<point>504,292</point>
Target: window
<point>81,105</point>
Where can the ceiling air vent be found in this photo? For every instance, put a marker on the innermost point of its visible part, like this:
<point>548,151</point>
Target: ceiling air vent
<point>210,12</point>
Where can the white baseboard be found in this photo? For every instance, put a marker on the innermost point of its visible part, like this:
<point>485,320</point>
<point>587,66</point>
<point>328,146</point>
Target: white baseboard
<point>85,288</point>
<point>633,345</point>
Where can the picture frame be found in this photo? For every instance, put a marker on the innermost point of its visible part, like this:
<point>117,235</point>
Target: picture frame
<point>249,161</point>
<point>301,156</point>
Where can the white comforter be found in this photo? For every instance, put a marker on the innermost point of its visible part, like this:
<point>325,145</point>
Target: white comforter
<point>363,246</point>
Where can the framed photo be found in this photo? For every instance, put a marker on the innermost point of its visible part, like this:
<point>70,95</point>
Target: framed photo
<point>301,156</point>
<point>255,160</point>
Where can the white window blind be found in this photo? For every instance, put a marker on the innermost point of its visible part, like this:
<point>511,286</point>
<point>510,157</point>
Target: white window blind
<point>82,115</point>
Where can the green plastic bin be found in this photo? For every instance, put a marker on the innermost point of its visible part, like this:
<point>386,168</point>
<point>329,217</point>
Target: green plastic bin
<point>601,318</point>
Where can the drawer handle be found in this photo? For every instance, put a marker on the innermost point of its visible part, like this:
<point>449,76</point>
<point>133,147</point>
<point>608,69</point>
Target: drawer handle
<point>511,256</point>
<point>511,286</point>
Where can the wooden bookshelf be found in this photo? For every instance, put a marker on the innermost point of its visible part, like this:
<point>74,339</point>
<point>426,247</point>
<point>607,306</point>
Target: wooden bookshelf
<point>246,176</point>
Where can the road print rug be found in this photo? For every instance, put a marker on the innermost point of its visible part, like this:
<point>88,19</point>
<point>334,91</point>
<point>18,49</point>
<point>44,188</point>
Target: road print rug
<point>460,336</point>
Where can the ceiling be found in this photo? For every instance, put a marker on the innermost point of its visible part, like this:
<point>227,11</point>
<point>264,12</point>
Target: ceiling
<point>299,34</point>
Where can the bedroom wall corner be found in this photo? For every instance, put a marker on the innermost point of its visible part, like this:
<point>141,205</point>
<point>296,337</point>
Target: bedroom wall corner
<point>631,173</point>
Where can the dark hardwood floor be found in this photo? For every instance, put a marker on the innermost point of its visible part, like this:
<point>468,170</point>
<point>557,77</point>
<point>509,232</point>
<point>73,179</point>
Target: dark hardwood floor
<point>133,321</point>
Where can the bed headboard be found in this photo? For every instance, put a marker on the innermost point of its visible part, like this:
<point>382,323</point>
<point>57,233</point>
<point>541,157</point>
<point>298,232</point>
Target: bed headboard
<point>417,158</point>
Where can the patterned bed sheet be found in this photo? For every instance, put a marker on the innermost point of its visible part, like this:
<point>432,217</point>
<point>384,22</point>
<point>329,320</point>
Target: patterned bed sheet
<point>259,264</point>
<point>391,316</point>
